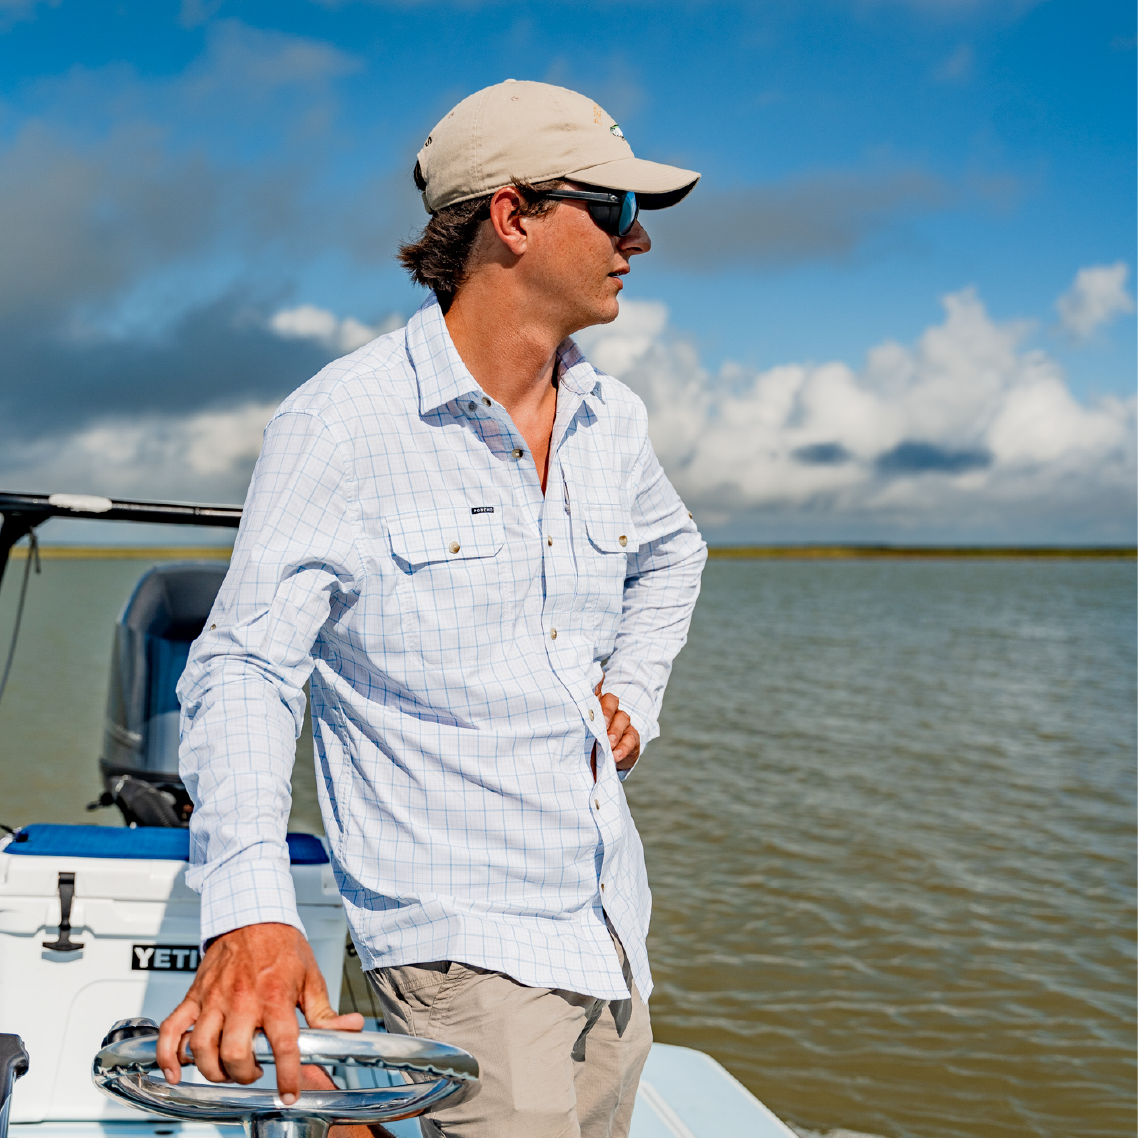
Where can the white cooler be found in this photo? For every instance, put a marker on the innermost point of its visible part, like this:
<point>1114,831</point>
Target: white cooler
<point>138,925</point>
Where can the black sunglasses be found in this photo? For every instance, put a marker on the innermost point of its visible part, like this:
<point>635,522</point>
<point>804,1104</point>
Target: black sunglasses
<point>615,211</point>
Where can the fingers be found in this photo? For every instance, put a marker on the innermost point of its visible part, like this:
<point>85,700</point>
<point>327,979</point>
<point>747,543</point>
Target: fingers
<point>627,750</point>
<point>283,1035</point>
<point>203,1045</point>
<point>600,685</point>
<point>170,1036</point>
<point>318,1012</point>
<point>609,707</point>
<point>617,726</point>
<point>623,737</point>
<point>353,1021</point>
<point>236,1047</point>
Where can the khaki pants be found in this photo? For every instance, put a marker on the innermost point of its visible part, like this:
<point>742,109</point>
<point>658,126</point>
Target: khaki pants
<point>554,1064</point>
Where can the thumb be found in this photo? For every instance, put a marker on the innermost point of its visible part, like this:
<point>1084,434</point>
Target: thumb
<point>318,1012</point>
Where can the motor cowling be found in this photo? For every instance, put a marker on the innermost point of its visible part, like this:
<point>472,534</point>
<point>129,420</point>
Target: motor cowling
<point>164,615</point>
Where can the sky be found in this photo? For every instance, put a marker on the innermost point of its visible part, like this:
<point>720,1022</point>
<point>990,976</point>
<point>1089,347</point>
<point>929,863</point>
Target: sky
<point>898,307</point>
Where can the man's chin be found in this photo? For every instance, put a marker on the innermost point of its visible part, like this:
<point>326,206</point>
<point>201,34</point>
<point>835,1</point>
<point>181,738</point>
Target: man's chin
<point>608,310</point>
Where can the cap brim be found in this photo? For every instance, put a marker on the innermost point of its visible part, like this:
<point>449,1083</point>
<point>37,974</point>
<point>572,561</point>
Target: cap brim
<point>656,186</point>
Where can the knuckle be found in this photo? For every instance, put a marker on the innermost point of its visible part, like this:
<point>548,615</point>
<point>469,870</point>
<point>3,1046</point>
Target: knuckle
<point>285,1044</point>
<point>233,1050</point>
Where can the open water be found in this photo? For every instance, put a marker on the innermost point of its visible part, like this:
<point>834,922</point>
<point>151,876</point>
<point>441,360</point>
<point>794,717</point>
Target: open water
<point>889,828</point>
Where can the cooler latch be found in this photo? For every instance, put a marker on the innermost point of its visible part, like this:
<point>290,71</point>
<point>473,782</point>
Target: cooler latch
<point>66,896</point>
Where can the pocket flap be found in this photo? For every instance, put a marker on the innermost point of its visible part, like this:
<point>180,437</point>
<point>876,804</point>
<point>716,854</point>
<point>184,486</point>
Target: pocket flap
<point>447,535</point>
<point>609,527</point>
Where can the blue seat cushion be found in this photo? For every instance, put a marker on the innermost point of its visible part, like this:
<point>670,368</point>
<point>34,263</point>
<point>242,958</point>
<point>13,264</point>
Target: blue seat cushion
<point>43,840</point>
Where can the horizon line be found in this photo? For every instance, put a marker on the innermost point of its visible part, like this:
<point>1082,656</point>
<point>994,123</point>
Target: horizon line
<point>801,550</point>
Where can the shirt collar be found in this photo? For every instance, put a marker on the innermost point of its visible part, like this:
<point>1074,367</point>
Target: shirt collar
<point>443,376</point>
<point>575,372</point>
<point>439,368</point>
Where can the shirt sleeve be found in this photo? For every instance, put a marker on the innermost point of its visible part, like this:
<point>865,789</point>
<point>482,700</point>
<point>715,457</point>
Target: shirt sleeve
<point>660,592</point>
<point>242,692</point>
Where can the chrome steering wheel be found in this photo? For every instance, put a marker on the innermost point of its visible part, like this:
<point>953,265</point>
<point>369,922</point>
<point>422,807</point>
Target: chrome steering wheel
<point>446,1074</point>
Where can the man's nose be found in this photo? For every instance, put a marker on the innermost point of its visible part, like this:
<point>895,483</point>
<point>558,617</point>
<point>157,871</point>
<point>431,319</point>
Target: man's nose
<point>636,240</point>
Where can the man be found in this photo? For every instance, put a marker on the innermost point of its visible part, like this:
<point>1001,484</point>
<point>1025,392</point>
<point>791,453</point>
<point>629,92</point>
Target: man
<point>458,533</point>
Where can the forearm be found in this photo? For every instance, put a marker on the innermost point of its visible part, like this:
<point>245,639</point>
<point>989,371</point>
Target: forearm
<point>660,591</point>
<point>658,604</point>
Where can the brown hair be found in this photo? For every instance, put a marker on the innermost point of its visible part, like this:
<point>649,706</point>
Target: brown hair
<point>437,259</point>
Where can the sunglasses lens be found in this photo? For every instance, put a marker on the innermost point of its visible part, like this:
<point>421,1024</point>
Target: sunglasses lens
<point>616,218</point>
<point>606,216</point>
<point>629,211</point>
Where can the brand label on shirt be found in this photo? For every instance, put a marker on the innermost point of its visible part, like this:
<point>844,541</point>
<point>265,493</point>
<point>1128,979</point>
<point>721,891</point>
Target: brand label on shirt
<point>164,958</point>
<point>481,509</point>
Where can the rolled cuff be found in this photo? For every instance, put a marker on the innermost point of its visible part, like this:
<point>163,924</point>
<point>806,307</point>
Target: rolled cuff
<point>245,893</point>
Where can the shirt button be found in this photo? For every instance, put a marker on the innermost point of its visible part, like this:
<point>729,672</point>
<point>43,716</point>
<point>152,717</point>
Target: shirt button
<point>597,803</point>
<point>213,628</point>
<point>622,539</point>
<point>517,452</point>
<point>553,634</point>
<point>486,401</point>
<point>472,406</point>
<point>591,715</point>
<point>549,541</point>
<point>602,886</point>
<point>454,547</point>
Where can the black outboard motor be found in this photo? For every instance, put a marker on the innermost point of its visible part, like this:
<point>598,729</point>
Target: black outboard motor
<point>165,614</point>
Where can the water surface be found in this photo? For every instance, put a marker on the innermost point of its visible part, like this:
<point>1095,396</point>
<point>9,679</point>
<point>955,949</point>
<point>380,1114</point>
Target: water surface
<point>889,828</point>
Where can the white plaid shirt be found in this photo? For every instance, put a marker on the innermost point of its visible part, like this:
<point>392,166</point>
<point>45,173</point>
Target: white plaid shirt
<point>397,550</point>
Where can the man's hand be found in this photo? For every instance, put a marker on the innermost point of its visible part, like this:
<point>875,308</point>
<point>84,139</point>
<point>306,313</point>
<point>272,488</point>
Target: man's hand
<point>254,977</point>
<point>625,739</point>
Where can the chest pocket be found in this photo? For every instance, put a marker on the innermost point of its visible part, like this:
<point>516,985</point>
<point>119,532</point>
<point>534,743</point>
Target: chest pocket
<point>455,592</point>
<point>609,539</point>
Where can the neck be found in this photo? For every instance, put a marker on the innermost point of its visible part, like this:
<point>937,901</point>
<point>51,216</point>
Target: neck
<point>509,345</point>
<point>506,341</point>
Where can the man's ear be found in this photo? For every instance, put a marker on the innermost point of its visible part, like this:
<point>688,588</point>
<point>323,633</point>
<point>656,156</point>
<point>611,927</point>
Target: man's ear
<point>507,220</point>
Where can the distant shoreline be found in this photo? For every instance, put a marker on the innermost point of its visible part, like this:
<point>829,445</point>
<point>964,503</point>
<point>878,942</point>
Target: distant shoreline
<point>849,552</point>
<point>718,552</point>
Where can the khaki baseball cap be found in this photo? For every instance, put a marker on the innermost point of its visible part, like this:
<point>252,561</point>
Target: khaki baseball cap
<point>536,132</point>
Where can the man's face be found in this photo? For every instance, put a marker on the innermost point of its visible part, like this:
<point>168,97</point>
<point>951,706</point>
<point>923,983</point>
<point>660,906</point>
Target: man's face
<point>576,267</point>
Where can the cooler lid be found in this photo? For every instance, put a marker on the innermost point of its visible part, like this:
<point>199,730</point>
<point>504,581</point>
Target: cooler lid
<point>143,842</point>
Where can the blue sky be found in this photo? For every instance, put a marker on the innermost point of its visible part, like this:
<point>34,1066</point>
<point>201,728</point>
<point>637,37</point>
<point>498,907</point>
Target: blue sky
<point>173,176</point>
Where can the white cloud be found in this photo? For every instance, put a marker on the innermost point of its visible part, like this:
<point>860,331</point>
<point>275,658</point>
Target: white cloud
<point>1096,297</point>
<point>307,322</point>
<point>964,432</point>
<point>964,435</point>
<point>207,456</point>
